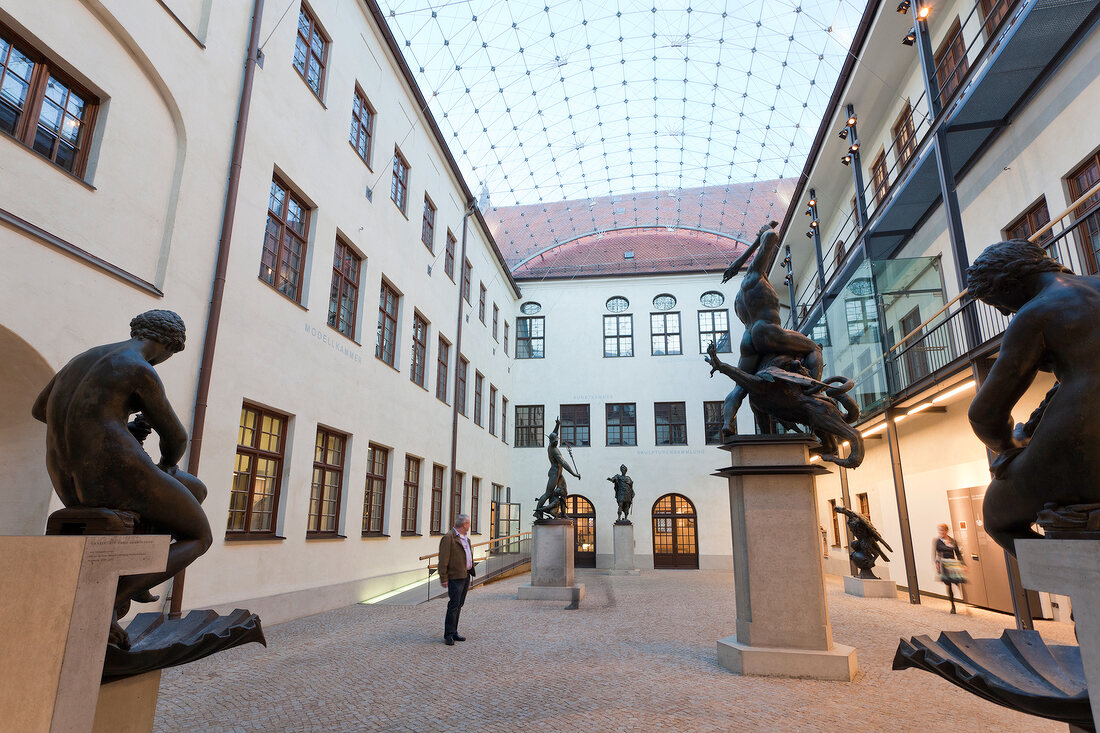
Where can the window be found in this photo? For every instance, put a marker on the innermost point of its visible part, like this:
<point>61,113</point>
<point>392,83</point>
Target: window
<point>1030,222</point>
<point>575,426</point>
<point>343,299</point>
<point>467,271</point>
<point>664,302</point>
<point>622,426</point>
<point>449,256</point>
<point>836,523</point>
<point>617,304</point>
<point>504,419</point>
<point>478,382</point>
<point>328,478</point>
<point>1081,180</point>
<point>42,109</point>
<point>387,324</point>
<point>712,299</point>
<point>374,499</point>
<point>437,499</point>
<point>530,338</point>
<point>529,426</point>
<point>310,51</point>
<point>618,336</point>
<point>951,63</point>
<point>427,228</point>
<point>419,350</point>
<point>460,385</point>
<point>409,501</point>
<point>441,370</point>
<point>665,333</point>
<point>905,137</point>
<point>862,321</point>
<point>399,185</point>
<point>475,502</point>
<point>713,422</point>
<point>284,241</point>
<point>456,496</point>
<point>671,419</point>
<point>530,308</point>
<point>839,254</point>
<point>481,304</point>
<point>714,327</point>
<point>496,320</point>
<point>254,496</point>
<point>492,410</point>
<point>995,11</point>
<point>362,126</point>
<point>506,338</point>
<point>864,505</point>
<point>881,177</point>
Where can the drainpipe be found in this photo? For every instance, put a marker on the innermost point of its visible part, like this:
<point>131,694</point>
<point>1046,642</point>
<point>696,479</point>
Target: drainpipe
<point>210,338</point>
<point>458,348</point>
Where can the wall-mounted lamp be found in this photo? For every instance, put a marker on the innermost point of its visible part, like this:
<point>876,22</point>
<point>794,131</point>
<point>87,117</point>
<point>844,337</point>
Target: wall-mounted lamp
<point>809,235</point>
<point>843,134</point>
<point>923,12</point>
<point>846,159</point>
<point>813,202</point>
<point>910,39</point>
<point>851,120</point>
<point>853,147</point>
<point>809,212</point>
<point>903,7</point>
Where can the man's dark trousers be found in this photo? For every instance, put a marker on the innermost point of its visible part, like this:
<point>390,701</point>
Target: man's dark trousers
<point>456,594</point>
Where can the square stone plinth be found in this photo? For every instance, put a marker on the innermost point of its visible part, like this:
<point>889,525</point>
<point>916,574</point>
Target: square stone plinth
<point>128,705</point>
<point>870,587</point>
<point>838,663</point>
<point>570,593</point>
<point>624,549</point>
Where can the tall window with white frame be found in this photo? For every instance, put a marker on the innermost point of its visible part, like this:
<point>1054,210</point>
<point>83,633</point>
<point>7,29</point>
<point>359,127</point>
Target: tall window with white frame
<point>530,337</point>
<point>618,335</point>
<point>622,424</point>
<point>436,523</point>
<point>442,360</point>
<point>475,505</point>
<point>665,333</point>
<point>427,227</point>
<point>671,423</point>
<point>386,346</point>
<point>460,384</point>
<point>374,495</point>
<point>529,426</point>
<point>492,410</point>
<point>479,382</point>
<point>284,249</point>
<point>257,476</point>
<point>343,299</point>
<point>714,327</point>
<point>419,367</point>
<point>362,126</point>
<point>410,500</point>
<point>399,184</point>
<point>575,426</point>
<point>328,480</point>
<point>311,51</point>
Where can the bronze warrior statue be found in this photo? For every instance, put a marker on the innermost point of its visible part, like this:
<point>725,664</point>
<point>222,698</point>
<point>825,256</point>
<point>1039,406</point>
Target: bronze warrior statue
<point>1052,458</point>
<point>552,502</point>
<point>624,494</point>
<point>864,550</point>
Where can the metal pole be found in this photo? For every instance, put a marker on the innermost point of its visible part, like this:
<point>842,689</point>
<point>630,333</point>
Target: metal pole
<point>903,507</point>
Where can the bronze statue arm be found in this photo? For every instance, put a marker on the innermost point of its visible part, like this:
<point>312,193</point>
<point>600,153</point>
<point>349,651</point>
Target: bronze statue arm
<point>735,267</point>
<point>159,413</point>
<point>38,410</point>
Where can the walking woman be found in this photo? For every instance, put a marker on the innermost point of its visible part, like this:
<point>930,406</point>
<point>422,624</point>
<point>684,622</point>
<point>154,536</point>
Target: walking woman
<point>949,563</point>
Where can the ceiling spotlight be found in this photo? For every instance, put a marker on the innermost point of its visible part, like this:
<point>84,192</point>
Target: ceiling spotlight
<point>923,12</point>
<point>846,159</point>
<point>853,147</point>
<point>843,135</point>
<point>809,212</point>
<point>813,202</point>
<point>809,235</point>
<point>851,120</point>
<point>787,280</point>
<point>813,224</point>
<point>903,6</point>
<point>910,39</point>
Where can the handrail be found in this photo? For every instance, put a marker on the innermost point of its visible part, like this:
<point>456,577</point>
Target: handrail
<point>480,544</point>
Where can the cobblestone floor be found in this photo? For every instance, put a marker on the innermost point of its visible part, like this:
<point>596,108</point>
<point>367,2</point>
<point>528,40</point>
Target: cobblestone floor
<point>639,654</point>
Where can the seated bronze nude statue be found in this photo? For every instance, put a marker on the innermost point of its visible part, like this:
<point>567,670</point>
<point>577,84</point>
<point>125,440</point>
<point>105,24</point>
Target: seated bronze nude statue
<point>94,453</point>
<point>1052,458</point>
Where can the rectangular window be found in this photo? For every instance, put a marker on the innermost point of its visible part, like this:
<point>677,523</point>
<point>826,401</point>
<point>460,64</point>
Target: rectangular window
<point>712,422</point>
<point>441,370</point>
<point>310,51</point>
<point>1081,180</point>
<point>492,410</point>
<point>343,298</point>
<point>456,496</point>
<point>478,382</point>
<point>862,321</point>
<point>951,63</point>
<point>864,505</point>
<point>1030,222</point>
<point>449,256</point>
<point>671,421</point>
<point>437,499</point>
<point>427,228</point>
<point>714,327</point>
<point>995,11</point>
<point>387,324</point>
<point>622,426</point>
<point>881,177</point>
<point>374,499</point>
<point>905,137</point>
<point>504,419</point>
<point>529,426</point>
<point>496,320</point>
<point>41,108</point>
<point>530,337</point>
<point>328,478</point>
<point>419,367</point>
<point>836,523</point>
<point>618,335</point>
<point>506,338</point>
<point>575,424</point>
<point>410,501</point>
<point>481,304</point>
<point>284,241</point>
<point>254,496</point>
<point>460,385</point>
<point>665,333</point>
<point>399,185</point>
<point>467,271</point>
<point>475,504</point>
<point>362,126</point>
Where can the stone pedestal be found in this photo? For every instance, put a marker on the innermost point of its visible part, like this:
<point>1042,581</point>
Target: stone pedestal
<point>56,595</point>
<point>870,587</point>
<point>552,563</point>
<point>128,705</point>
<point>624,550</point>
<point>1070,568</point>
<point>782,616</point>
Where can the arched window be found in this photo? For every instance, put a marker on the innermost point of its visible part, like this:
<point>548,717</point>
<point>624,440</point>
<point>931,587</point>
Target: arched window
<point>675,535</point>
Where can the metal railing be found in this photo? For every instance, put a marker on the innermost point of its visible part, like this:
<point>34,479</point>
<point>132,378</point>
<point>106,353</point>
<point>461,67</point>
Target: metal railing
<point>501,555</point>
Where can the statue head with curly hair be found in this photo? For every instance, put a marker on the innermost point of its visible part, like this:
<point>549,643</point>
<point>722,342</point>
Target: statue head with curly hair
<point>999,273</point>
<point>164,327</point>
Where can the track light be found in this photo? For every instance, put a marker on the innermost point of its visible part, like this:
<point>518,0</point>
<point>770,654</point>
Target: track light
<point>809,212</point>
<point>813,202</point>
<point>809,235</point>
<point>853,147</point>
<point>787,280</point>
<point>813,224</point>
<point>851,121</point>
<point>903,7</point>
<point>923,12</point>
<point>786,262</point>
<point>846,159</point>
<point>843,134</point>
<point>910,39</point>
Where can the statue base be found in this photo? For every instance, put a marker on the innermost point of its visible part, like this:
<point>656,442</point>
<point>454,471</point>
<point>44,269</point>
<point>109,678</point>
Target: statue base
<point>552,574</point>
<point>870,587</point>
<point>624,550</point>
<point>783,624</point>
<point>128,705</point>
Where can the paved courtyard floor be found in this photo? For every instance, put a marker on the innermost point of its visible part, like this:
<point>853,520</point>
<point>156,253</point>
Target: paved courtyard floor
<point>639,655</point>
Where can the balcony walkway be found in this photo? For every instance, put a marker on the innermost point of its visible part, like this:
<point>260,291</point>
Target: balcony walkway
<point>639,654</point>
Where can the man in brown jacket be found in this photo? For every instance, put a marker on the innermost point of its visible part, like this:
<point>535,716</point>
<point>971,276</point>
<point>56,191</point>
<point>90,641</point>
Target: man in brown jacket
<point>456,567</point>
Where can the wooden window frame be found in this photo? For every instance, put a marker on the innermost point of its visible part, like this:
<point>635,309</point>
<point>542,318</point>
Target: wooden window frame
<point>504,419</point>
<point>620,426</point>
<point>1034,218</point>
<point>577,412</point>
<point>410,499</point>
<point>712,428</point>
<point>315,29</point>
<point>427,226</point>
<point>467,275</point>
<point>905,137</point>
<point>449,255</point>
<point>496,321</point>
<point>282,250</point>
<point>479,386</point>
<point>670,408</point>
<point>666,334</point>
<point>988,8</point>
<point>836,524</point>
<point>461,377</point>
<point>255,452</point>
<point>399,184</point>
<point>435,519</point>
<point>418,369</point>
<point>442,367</point>
<point>618,337</point>
<point>386,349</point>
<point>880,177</point>
<point>481,302</point>
<point>372,477</point>
<point>531,340</point>
<point>457,480</point>
<point>492,409</point>
<point>712,330</point>
<point>506,338</point>
<point>527,429</point>
<point>475,502</point>
<point>362,126</point>
<point>316,491</point>
<point>342,284</point>
<point>949,81</point>
<point>864,500</point>
<point>1081,233</point>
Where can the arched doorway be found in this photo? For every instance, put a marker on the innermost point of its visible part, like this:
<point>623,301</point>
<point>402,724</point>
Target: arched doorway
<point>25,489</point>
<point>583,514</point>
<point>675,536</point>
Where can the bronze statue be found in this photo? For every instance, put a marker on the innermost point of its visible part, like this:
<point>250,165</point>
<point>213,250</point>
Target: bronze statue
<point>1052,458</point>
<point>95,457</point>
<point>624,494</point>
<point>552,502</point>
<point>864,549</point>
